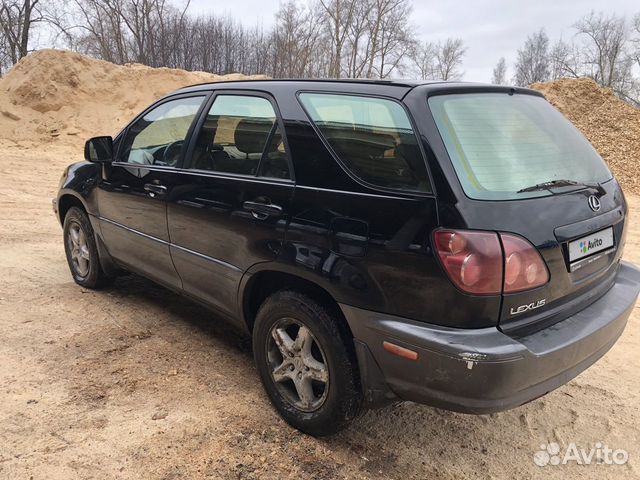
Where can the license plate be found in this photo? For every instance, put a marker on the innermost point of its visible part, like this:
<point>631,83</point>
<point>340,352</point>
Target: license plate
<point>594,243</point>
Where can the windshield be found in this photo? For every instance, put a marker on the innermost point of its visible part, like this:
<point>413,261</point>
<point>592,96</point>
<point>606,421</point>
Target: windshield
<point>500,144</point>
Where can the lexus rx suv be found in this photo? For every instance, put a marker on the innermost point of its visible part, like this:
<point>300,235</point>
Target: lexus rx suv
<point>452,244</point>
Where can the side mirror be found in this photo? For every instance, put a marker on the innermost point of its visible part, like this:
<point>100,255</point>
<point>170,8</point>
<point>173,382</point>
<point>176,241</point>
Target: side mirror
<point>99,150</point>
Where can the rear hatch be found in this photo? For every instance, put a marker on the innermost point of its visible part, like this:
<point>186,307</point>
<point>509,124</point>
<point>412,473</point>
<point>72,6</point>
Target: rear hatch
<point>522,168</point>
<point>557,226</point>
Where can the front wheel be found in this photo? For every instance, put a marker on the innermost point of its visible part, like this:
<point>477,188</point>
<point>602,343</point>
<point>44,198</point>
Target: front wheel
<point>81,250</point>
<point>306,361</point>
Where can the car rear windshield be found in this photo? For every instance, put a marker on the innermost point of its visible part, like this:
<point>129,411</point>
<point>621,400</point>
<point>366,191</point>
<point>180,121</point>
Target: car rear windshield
<point>501,144</point>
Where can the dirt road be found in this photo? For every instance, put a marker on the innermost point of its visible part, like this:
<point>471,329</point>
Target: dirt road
<point>134,382</point>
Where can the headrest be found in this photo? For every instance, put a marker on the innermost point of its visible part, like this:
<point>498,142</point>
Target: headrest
<point>251,134</point>
<point>362,143</point>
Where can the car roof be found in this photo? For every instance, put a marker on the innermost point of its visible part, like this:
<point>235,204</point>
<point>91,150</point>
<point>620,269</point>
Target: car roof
<point>307,81</point>
<point>393,88</point>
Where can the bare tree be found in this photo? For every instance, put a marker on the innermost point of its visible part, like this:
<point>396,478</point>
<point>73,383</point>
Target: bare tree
<point>439,61</point>
<point>4,53</point>
<point>564,60</point>
<point>500,72</point>
<point>358,39</point>
<point>296,40</point>
<point>390,36</point>
<point>315,38</point>
<point>635,41</point>
<point>120,31</point>
<point>604,47</point>
<point>100,30</point>
<point>423,56</point>
<point>338,15</point>
<point>449,55</point>
<point>17,18</point>
<point>533,60</point>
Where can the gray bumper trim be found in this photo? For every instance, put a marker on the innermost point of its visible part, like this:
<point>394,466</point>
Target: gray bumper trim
<point>485,370</point>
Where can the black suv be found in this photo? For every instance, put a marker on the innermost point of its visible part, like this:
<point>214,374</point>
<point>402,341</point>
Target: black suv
<point>452,244</point>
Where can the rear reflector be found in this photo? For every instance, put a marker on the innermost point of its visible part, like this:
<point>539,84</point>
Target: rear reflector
<point>400,351</point>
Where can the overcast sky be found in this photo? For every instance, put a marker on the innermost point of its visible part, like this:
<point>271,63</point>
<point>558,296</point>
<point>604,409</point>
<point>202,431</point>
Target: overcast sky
<point>490,28</point>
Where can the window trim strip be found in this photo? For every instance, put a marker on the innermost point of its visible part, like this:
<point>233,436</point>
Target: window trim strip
<point>209,173</point>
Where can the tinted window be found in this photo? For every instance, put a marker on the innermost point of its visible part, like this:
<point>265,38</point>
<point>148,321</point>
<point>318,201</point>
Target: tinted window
<point>158,137</point>
<point>372,137</point>
<point>501,143</point>
<point>241,135</point>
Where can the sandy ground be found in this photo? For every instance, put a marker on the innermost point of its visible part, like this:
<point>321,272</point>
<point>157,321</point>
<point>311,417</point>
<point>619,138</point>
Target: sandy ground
<point>135,382</point>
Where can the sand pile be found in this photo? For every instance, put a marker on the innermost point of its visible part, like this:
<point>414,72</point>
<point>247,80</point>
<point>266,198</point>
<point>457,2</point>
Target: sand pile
<point>64,97</point>
<point>611,125</point>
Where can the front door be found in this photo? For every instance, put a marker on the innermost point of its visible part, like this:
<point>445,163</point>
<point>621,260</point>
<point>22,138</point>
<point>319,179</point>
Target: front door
<point>232,206</point>
<point>132,196</point>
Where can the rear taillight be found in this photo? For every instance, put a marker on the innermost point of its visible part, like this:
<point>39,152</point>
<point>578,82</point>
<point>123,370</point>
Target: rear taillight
<point>472,259</point>
<point>477,263</point>
<point>524,268</point>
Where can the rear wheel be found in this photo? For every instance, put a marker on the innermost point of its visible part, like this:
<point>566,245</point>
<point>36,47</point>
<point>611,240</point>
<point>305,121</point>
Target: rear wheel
<point>81,250</point>
<point>306,362</point>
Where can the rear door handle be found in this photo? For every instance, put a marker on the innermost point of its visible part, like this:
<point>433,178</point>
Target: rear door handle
<point>261,211</point>
<point>154,189</point>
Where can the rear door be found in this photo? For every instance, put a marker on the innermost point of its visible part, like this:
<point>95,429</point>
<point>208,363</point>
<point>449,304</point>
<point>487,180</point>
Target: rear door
<point>365,208</point>
<point>132,196</point>
<point>231,208</point>
<point>551,224</point>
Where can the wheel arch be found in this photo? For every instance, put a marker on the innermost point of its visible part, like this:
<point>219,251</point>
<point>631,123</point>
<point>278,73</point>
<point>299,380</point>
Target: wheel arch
<point>258,286</point>
<point>69,199</point>
<point>66,201</point>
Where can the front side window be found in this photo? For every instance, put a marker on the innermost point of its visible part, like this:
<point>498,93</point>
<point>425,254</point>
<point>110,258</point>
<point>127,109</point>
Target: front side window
<point>502,144</point>
<point>241,136</point>
<point>158,137</point>
<point>372,137</point>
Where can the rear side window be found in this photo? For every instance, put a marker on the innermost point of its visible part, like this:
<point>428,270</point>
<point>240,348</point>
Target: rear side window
<point>240,135</point>
<point>500,144</point>
<point>372,137</point>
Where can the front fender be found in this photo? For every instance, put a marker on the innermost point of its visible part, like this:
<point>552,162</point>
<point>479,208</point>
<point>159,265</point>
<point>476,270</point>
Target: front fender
<point>78,182</point>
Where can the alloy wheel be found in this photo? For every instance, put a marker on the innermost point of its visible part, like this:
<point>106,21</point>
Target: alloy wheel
<point>298,365</point>
<point>79,249</point>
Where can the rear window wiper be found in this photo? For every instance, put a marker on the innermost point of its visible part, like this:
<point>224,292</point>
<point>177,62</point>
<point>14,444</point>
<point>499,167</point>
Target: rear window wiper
<point>562,183</point>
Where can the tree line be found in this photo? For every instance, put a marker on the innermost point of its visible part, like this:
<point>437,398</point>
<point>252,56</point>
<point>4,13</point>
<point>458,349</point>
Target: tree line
<point>318,38</point>
<point>603,47</point>
<point>312,38</point>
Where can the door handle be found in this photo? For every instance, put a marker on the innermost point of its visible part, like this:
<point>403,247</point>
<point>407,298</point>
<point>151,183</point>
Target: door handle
<point>261,211</point>
<point>154,189</point>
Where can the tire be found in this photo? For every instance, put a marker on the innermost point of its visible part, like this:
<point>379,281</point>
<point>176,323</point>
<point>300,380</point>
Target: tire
<point>324,351</point>
<point>82,252</point>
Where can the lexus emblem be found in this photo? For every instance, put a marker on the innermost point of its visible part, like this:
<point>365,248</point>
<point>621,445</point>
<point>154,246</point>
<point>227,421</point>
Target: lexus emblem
<point>594,203</point>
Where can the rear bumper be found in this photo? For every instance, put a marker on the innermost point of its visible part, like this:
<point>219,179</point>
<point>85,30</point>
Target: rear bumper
<point>484,370</point>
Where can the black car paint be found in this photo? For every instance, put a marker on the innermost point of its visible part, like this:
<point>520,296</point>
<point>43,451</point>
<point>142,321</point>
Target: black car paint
<point>368,248</point>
